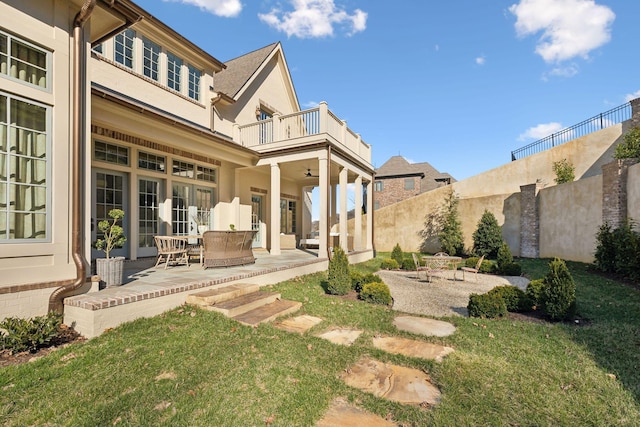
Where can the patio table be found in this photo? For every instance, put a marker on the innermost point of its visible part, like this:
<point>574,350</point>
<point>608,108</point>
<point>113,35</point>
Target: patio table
<point>442,263</point>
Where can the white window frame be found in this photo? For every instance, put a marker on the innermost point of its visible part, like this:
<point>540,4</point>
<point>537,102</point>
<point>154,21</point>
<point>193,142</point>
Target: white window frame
<point>174,72</point>
<point>151,54</point>
<point>126,39</point>
<point>5,205</point>
<point>195,77</point>
<point>8,59</point>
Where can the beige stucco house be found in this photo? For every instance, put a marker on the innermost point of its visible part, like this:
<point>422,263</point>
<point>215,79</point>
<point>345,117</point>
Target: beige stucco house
<point>103,106</point>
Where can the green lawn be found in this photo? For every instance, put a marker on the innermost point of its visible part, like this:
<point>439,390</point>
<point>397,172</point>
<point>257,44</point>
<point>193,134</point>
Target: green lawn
<point>195,368</point>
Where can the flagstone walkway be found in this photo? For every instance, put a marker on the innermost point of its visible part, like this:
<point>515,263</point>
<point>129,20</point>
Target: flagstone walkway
<point>393,382</point>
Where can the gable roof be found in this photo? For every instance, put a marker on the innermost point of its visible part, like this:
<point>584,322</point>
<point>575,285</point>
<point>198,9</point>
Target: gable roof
<point>398,166</point>
<point>240,71</point>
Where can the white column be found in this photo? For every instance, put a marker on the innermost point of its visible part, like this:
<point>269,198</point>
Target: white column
<point>370,215</point>
<point>334,205</point>
<point>323,226</point>
<point>344,175</point>
<point>357,233</point>
<point>275,209</point>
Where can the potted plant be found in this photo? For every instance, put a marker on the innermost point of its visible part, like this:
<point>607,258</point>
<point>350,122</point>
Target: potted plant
<point>110,269</point>
<point>202,220</point>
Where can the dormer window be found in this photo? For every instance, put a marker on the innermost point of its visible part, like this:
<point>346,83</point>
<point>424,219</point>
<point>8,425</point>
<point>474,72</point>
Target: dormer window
<point>174,66</point>
<point>124,48</point>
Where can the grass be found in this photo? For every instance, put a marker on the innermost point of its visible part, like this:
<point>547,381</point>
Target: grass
<point>190,367</point>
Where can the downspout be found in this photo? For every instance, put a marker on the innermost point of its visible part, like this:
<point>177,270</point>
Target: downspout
<point>77,162</point>
<point>328,230</point>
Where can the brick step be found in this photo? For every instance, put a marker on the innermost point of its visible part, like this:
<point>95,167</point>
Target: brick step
<point>244,303</point>
<point>268,312</point>
<point>218,295</point>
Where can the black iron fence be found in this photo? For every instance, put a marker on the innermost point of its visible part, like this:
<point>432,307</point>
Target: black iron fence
<point>595,123</point>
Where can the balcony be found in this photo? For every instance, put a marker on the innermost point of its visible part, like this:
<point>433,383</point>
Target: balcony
<point>302,128</point>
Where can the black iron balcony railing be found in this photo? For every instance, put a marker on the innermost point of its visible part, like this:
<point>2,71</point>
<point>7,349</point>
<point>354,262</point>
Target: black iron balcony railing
<point>595,123</point>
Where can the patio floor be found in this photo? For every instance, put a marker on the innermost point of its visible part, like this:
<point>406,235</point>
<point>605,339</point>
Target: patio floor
<point>148,291</point>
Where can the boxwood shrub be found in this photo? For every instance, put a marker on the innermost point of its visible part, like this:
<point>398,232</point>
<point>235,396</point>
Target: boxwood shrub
<point>376,293</point>
<point>487,306</point>
<point>514,298</point>
<point>389,264</point>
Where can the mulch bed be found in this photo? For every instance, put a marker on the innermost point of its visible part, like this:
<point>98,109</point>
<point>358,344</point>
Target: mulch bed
<point>67,336</point>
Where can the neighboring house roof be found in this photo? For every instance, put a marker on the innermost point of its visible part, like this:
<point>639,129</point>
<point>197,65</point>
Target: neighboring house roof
<point>398,166</point>
<point>240,71</point>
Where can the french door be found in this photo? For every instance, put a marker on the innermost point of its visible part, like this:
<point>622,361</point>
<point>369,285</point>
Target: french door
<point>109,192</point>
<point>149,224</point>
<point>256,219</point>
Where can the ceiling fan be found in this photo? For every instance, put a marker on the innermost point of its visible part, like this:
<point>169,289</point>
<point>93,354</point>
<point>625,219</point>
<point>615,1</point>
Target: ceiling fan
<point>310,175</point>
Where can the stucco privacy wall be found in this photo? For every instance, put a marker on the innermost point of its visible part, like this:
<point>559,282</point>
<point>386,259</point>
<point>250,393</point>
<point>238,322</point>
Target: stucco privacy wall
<point>569,216</point>
<point>400,222</point>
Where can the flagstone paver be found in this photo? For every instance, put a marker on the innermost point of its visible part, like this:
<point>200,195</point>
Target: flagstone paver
<point>342,414</point>
<point>424,326</point>
<point>298,324</point>
<point>392,382</point>
<point>412,348</point>
<point>342,336</point>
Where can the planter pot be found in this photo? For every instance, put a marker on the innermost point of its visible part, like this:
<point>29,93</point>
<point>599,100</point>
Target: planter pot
<point>110,270</point>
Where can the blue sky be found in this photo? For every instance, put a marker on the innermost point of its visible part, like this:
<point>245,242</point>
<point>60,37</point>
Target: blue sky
<point>456,83</point>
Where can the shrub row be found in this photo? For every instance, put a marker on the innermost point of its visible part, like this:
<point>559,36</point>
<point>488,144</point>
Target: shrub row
<point>20,335</point>
<point>555,295</point>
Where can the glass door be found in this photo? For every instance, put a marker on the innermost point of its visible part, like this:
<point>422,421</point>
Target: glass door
<point>149,225</point>
<point>110,192</point>
<point>256,219</point>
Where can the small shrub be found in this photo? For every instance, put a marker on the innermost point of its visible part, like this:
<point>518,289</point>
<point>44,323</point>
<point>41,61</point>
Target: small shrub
<point>564,170</point>
<point>358,279</point>
<point>487,306</point>
<point>559,292</point>
<point>29,334</point>
<point>605,256</point>
<point>488,236</point>
<point>408,264</point>
<point>338,281</point>
<point>396,254</point>
<point>513,269</point>
<point>504,257</point>
<point>630,148</point>
<point>514,298</point>
<point>534,291</point>
<point>389,264</point>
<point>376,293</point>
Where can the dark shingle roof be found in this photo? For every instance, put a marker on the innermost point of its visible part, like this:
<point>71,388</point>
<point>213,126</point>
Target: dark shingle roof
<point>239,70</point>
<point>398,166</point>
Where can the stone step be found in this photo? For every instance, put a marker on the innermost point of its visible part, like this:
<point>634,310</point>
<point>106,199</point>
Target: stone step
<point>218,295</point>
<point>268,312</point>
<point>244,303</point>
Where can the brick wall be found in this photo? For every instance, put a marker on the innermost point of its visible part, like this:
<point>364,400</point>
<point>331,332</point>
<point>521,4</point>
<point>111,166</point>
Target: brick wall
<point>614,191</point>
<point>394,191</point>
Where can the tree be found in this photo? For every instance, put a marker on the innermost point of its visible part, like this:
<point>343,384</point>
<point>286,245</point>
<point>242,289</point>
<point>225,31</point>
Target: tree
<point>338,280</point>
<point>451,239</point>
<point>559,293</point>
<point>488,236</point>
<point>564,170</point>
<point>630,148</point>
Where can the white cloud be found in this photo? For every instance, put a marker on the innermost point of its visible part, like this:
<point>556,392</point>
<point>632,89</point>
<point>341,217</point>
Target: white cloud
<point>540,131</point>
<point>314,18</point>
<point>570,28</point>
<point>480,60</point>
<point>224,8</point>
<point>568,71</point>
<point>632,96</point>
<point>310,104</point>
